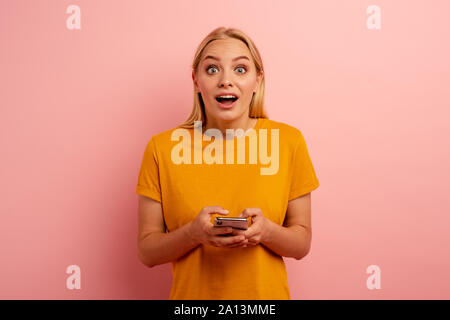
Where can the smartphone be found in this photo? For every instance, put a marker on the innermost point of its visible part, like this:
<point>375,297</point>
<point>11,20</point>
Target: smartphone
<point>237,223</point>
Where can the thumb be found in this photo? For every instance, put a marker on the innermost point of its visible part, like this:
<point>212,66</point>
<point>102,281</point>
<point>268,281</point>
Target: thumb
<point>243,215</point>
<point>247,214</point>
<point>223,211</point>
<point>217,209</point>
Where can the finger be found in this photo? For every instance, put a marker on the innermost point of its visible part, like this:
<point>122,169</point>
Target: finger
<point>237,232</point>
<point>221,230</point>
<point>251,231</point>
<point>215,209</point>
<point>241,244</point>
<point>252,244</point>
<point>249,212</point>
<point>229,240</point>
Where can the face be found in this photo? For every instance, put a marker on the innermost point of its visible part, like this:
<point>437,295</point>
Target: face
<point>226,67</point>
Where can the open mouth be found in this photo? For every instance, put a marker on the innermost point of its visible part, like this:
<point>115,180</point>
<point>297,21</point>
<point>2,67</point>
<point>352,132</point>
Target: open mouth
<point>226,100</point>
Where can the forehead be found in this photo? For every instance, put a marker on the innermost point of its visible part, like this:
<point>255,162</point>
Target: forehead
<point>226,49</point>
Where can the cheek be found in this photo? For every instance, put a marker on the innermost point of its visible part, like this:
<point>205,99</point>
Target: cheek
<point>205,85</point>
<point>247,87</point>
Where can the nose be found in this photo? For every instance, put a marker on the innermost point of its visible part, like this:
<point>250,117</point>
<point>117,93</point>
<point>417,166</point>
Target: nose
<point>225,80</point>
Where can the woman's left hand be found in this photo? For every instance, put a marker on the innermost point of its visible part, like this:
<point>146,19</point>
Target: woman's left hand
<point>259,229</point>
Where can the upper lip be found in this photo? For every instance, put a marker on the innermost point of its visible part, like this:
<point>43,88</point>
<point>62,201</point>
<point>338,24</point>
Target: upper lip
<point>226,94</point>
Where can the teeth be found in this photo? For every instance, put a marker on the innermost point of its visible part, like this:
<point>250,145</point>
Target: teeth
<point>227,96</point>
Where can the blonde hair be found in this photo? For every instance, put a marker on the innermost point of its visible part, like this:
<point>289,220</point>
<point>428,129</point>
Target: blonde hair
<point>256,108</point>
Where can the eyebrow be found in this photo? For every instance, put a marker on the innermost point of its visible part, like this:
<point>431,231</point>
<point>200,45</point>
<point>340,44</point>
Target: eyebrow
<point>234,59</point>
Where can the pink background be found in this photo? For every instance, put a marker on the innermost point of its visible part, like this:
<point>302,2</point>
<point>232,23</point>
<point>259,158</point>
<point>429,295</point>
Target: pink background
<point>77,108</point>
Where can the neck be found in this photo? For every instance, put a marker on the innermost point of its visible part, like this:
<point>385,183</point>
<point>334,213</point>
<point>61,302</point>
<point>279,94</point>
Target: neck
<point>243,123</point>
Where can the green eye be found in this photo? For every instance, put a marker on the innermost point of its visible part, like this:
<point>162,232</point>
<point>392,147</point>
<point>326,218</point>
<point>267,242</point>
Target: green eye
<point>241,68</point>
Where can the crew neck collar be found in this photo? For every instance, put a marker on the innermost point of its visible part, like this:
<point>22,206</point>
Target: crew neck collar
<point>255,126</point>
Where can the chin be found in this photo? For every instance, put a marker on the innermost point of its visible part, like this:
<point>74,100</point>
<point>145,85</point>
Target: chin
<point>227,115</point>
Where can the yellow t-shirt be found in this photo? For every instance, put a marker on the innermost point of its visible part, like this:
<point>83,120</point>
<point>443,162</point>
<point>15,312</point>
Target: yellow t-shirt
<point>209,272</point>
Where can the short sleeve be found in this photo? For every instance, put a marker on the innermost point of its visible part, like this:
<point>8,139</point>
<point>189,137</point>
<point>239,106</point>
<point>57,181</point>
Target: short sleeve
<point>148,180</point>
<point>303,179</point>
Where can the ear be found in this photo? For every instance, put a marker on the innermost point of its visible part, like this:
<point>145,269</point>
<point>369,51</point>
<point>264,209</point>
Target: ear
<point>259,78</point>
<point>194,80</point>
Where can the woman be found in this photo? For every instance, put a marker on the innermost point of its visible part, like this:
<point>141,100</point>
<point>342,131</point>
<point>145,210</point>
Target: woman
<point>184,185</point>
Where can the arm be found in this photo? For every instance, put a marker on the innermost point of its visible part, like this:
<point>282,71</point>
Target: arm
<point>293,239</point>
<point>154,245</point>
<point>157,247</point>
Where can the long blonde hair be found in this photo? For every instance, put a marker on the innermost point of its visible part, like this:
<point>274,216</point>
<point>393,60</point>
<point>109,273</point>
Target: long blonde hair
<point>256,109</point>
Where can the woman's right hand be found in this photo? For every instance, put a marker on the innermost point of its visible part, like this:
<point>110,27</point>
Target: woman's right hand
<point>202,231</point>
